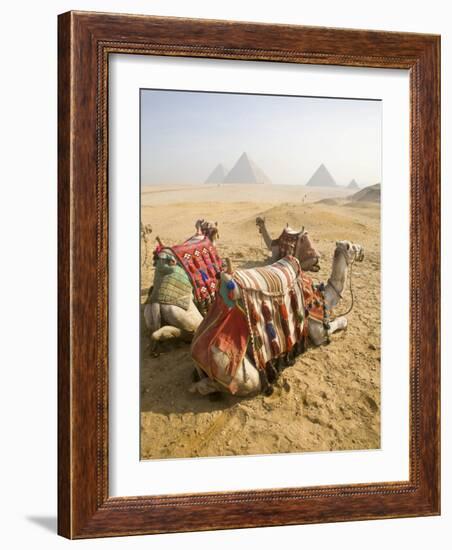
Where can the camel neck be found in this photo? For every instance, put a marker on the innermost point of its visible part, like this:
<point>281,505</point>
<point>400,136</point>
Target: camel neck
<point>336,282</point>
<point>266,236</point>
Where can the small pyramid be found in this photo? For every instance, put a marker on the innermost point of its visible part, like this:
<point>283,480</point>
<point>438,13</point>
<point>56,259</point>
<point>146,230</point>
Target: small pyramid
<point>217,175</point>
<point>246,171</point>
<point>353,185</point>
<point>321,178</point>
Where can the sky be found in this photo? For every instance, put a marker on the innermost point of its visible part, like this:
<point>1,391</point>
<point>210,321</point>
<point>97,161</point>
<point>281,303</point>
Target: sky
<point>184,135</point>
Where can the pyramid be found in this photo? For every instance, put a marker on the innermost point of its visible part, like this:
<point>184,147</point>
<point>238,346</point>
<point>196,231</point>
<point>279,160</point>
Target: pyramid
<point>321,178</point>
<point>353,185</point>
<point>217,175</point>
<point>246,171</point>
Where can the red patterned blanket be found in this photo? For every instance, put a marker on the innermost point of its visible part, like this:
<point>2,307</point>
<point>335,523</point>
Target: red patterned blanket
<point>201,262</point>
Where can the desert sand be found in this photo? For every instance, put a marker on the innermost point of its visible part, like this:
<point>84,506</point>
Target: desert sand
<point>330,399</point>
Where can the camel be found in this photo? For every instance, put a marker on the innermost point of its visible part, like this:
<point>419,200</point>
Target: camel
<point>247,379</point>
<point>167,321</point>
<point>296,243</point>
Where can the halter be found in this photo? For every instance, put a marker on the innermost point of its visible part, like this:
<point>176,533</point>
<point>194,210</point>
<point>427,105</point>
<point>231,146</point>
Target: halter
<point>350,264</point>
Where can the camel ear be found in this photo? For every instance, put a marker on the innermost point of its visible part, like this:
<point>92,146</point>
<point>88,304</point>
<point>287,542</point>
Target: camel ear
<point>216,224</point>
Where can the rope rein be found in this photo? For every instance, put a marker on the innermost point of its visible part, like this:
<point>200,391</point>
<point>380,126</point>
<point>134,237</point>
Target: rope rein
<point>350,289</point>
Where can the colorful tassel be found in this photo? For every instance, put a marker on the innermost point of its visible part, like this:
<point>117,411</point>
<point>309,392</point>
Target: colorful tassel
<point>257,341</point>
<point>270,331</point>
<point>266,312</point>
<point>253,313</point>
<point>230,285</point>
<point>275,348</point>
<point>283,311</point>
<point>289,343</point>
<point>285,326</point>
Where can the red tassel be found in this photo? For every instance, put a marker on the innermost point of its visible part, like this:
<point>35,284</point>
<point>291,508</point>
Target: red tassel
<point>266,312</point>
<point>289,343</point>
<point>285,326</point>
<point>298,332</point>
<point>275,348</point>
<point>253,313</point>
<point>283,311</point>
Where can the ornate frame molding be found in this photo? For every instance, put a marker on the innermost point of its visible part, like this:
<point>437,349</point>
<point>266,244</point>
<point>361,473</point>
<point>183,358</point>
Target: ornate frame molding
<point>85,42</point>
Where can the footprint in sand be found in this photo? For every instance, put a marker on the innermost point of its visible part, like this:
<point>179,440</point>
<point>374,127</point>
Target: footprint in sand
<point>371,405</point>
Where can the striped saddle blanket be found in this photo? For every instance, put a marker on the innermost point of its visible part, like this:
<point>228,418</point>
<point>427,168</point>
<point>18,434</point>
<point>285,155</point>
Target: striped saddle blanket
<point>267,321</point>
<point>201,262</point>
<point>273,302</point>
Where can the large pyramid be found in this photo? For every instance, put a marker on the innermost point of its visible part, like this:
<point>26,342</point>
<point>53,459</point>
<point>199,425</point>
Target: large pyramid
<point>353,185</point>
<point>217,175</point>
<point>321,178</point>
<point>246,171</point>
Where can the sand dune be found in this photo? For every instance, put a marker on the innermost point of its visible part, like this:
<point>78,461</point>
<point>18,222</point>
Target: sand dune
<point>330,399</point>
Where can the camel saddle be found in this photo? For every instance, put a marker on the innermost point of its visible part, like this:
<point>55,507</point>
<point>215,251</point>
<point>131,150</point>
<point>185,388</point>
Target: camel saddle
<point>268,320</point>
<point>201,262</point>
<point>295,243</point>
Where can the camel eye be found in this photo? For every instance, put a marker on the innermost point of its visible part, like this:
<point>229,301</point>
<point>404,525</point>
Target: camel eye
<point>348,246</point>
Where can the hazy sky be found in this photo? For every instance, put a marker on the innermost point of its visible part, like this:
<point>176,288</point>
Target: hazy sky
<point>184,135</point>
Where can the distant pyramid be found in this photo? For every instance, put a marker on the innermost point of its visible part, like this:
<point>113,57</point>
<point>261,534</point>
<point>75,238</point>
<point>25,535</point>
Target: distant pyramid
<point>218,174</point>
<point>321,178</point>
<point>353,185</point>
<point>246,171</point>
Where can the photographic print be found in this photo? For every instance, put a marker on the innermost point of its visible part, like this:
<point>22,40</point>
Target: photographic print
<point>260,274</point>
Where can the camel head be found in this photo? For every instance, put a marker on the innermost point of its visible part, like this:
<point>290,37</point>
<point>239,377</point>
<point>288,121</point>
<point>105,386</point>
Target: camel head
<point>208,229</point>
<point>164,260</point>
<point>351,251</point>
<point>260,222</point>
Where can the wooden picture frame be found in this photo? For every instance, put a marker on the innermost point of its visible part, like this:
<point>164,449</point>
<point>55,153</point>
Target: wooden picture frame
<point>85,42</point>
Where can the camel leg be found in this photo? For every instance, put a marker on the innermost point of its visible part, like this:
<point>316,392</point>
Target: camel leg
<point>161,335</point>
<point>205,386</point>
<point>166,333</point>
<point>338,324</point>
<point>317,333</point>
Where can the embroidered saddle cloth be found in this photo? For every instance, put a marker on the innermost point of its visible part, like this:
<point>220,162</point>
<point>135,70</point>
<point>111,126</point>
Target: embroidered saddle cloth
<point>298,244</point>
<point>201,262</point>
<point>171,286</point>
<point>267,321</point>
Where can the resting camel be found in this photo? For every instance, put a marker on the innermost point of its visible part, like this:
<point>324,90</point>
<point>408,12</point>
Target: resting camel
<point>295,243</point>
<point>216,367</point>
<point>171,310</point>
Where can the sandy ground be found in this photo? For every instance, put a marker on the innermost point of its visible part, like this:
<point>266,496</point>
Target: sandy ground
<point>330,399</point>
